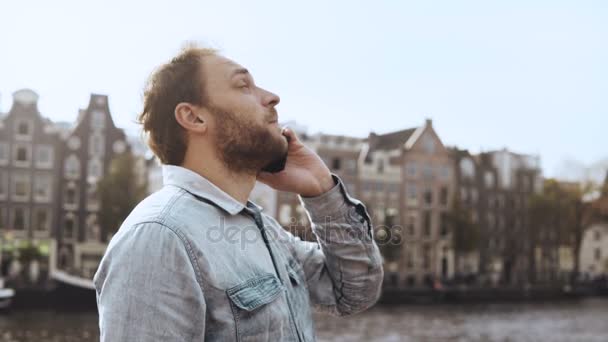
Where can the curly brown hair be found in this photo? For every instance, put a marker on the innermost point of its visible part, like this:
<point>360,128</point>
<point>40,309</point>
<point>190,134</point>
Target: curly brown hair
<point>179,80</point>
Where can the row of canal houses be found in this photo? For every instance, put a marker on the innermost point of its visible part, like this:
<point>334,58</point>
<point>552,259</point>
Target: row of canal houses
<point>408,180</point>
<point>48,195</point>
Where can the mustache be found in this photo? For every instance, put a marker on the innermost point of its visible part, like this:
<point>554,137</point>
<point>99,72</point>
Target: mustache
<point>272,115</point>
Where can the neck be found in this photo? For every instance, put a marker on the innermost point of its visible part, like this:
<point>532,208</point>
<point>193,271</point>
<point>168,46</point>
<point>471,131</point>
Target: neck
<point>237,185</point>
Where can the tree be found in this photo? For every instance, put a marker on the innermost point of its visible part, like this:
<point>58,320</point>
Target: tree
<point>465,233</point>
<point>119,192</point>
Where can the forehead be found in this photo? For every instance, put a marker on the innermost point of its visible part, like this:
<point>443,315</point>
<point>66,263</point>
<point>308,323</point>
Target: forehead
<point>219,69</point>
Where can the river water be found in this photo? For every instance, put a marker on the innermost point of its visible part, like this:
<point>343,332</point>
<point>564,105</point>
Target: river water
<point>585,320</point>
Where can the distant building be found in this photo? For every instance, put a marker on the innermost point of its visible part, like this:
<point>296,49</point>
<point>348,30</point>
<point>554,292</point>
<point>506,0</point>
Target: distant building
<point>30,160</point>
<point>495,187</point>
<point>594,251</point>
<point>406,182</point>
<point>89,147</point>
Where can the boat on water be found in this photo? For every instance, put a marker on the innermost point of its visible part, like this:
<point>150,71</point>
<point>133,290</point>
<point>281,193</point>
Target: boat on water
<point>6,295</point>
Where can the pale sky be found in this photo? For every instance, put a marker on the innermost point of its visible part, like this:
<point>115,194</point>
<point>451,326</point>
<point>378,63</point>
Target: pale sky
<point>531,76</point>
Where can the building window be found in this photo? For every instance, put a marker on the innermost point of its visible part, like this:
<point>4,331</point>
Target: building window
<point>409,258</point>
<point>95,170</point>
<point>19,218</point>
<point>44,157</point>
<point>598,254</point>
<point>379,187</point>
<point>23,155</point>
<point>335,164</point>
<point>42,219</point>
<point>411,224</point>
<point>410,169</point>
<point>412,194</point>
<point>489,179</point>
<point>428,196</point>
<point>464,194</point>
<point>96,145</point>
<point>69,226</point>
<point>443,224</point>
<point>598,235</point>
<point>43,188</point>
<point>427,172</point>
<point>429,144</point>
<point>24,129</point>
<point>72,167</point>
<point>426,256</point>
<point>445,173</point>
<point>426,224</point>
<point>380,166</point>
<point>71,196</point>
<point>491,221</point>
<point>443,195</point>
<point>467,168</point>
<point>4,153</point>
<point>21,187</point>
<point>98,120</point>
<point>3,219</point>
<point>285,214</point>
<point>92,197</point>
<point>93,231</point>
<point>474,195</point>
<point>3,184</point>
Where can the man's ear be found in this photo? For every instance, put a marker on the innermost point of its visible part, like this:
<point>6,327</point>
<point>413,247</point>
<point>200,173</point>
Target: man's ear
<point>190,117</point>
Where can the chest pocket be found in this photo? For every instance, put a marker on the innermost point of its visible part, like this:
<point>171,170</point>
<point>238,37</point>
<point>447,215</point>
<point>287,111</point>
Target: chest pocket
<point>300,300</point>
<point>259,309</point>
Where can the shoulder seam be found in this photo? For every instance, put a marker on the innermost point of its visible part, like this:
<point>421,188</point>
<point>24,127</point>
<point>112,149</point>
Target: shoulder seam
<point>189,250</point>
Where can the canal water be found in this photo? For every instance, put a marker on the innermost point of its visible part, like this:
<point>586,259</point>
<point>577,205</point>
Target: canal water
<point>585,320</point>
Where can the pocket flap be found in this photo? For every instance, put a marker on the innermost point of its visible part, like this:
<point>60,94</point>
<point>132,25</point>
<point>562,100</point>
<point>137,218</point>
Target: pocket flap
<point>255,292</point>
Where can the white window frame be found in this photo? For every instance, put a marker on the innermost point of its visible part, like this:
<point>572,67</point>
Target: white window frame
<point>72,158</point>
<point>28,149</point>
<point>98,120</point>
<point>48,178</point>
<point>51,153</point>
<point>20,177</point>
<point>26,217</point>
<point>49,218</point>
<point>94,163</point>
<point>96,139</point>
<point>4,146</point>
<point>91,222</point>
<point>467,168</point>
<point>71,206</point>
<point>411,169</point>
<point>24,137</point>
<point>92,197</point>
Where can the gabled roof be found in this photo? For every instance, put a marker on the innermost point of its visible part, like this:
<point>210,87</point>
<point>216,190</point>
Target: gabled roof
<point>390,141</point>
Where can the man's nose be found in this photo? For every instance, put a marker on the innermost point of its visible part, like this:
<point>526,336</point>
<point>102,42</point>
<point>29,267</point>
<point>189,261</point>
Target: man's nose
<point>270,99</point>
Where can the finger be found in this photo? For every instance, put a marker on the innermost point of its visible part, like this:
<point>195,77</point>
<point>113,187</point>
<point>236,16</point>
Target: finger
<point>291,136</point>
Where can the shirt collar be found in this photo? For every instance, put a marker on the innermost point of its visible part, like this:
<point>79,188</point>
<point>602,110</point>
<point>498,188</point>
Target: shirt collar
<point>201,187</point>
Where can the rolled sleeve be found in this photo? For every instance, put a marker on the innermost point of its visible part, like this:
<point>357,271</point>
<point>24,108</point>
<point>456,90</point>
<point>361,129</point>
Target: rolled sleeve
<point>345,274</point>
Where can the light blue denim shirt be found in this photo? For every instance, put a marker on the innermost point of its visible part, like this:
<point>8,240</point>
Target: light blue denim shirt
<point>191,263</point>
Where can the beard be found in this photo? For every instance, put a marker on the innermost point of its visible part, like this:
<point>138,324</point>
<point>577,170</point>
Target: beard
<point>248,147</point>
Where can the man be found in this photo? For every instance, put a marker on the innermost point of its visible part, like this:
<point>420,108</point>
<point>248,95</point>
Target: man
<point>196,260</point>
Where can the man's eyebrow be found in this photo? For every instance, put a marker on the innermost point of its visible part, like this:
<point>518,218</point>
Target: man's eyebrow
<point>240,71</point>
